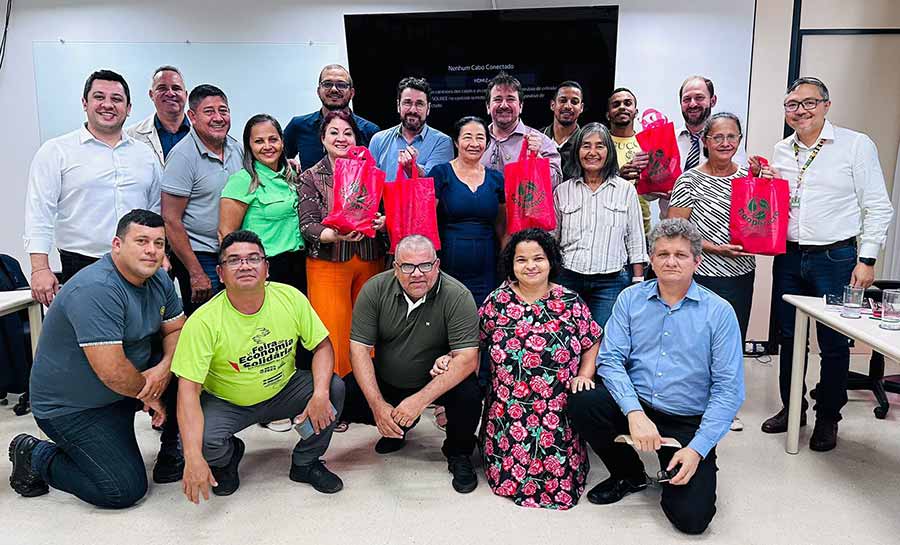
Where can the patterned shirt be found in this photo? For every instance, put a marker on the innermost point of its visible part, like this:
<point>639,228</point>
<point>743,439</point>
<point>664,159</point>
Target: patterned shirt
<point>709,198</point>
<point>316,200</point>
<point>599,231</point>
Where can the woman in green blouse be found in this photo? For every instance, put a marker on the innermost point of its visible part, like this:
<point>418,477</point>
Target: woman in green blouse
<point>262,197</point>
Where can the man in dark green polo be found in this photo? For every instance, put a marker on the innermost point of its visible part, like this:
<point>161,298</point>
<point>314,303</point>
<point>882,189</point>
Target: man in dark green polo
<point>414,316</point>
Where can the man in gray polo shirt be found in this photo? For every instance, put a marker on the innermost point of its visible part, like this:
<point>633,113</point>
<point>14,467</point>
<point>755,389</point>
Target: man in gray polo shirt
<point>414,316</point>
<point>196,171</point>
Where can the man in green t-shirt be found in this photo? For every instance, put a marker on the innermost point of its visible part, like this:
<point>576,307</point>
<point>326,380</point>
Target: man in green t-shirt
<point>414,316</point>
<point>236,367</point>
<point>621,110</point>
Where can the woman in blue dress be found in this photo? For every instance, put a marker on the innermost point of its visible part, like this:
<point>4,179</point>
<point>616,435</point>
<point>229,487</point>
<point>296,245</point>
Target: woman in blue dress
<point>471,213</point>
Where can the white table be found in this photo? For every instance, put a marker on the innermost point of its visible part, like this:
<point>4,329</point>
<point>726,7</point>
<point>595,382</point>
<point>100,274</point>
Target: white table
<point>864,330</point>
<point>14,301</point>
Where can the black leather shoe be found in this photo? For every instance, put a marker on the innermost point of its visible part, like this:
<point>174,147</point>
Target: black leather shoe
<point>824,437</point>
<point>778,423</point>
<point>24,480</point>
<point>317,475</point>
<point>387,445</point>
<point>614,489</point>
<point>169,468</point>
<point>227,476</point>
<point>464,478</point>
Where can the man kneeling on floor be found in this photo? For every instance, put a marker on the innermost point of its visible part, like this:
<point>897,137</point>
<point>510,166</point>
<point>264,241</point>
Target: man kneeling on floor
<point>672,366</point>
<point>93,371</point>
<point>413,316</point>
<point>236,367</point>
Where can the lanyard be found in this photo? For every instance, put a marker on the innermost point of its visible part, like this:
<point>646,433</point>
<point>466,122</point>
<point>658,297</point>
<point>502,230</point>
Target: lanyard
<point>809,160</point>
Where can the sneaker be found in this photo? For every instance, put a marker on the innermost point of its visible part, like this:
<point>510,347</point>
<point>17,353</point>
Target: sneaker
<point>317,475</point>
<point>824,436</point>
<point>24,480</point>
<point>387,445</point>
<point>227,476</point>
<point>464,478</point>
<point>169,468</point>
<point>440,418</point>
<point>614,489</point>
<point>341,427</point>
<point>737,425</point>
<point>280,426</point>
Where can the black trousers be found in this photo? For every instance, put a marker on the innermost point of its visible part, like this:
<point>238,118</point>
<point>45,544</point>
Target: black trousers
<point>72,263</point>
<point>462,402</point>
<point>289,268</point>
<point>737,290</point>
<point>598,419</point>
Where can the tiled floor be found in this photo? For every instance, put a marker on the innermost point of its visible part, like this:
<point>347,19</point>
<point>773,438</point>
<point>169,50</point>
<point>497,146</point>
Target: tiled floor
<point>851,495</point>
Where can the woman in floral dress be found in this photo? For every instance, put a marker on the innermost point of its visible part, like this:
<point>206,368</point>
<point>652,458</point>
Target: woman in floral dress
<point>542,343</point>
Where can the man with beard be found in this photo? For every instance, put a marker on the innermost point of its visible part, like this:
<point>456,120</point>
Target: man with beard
<point>80,183</point>
<point>504,104</point>
<point>196,171</point>
<point>567,105</point>
<point>621,109</point>
<point>412,141</point>
<point>169,124</point>
<point>301,135</point>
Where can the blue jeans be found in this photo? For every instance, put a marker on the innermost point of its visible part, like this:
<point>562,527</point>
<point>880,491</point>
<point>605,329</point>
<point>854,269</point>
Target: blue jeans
<point>599,291</point>
<point>94,455</point>
<point>814,273</point>
<point>208,261</point>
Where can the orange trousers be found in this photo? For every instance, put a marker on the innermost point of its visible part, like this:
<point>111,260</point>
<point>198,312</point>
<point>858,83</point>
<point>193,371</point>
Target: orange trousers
<point>333,288</point>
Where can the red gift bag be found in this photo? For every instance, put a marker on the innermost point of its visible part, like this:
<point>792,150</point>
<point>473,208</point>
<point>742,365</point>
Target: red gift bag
<point>410,208</point>
<point>529,193</point>
<point>659,142</point>
<point>358,185</point>
<point>758,220</point>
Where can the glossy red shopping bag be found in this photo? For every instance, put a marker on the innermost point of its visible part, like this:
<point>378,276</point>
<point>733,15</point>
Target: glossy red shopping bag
<point>529,193</point>
<point>758,220</point>
<point>659,142</point>
<point>410,208</point>
<point>358,185</point>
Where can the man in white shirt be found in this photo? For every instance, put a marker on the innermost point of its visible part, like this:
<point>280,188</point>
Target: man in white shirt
<point>82,182</point>
<point>837,194</point>
<point>165,127</point>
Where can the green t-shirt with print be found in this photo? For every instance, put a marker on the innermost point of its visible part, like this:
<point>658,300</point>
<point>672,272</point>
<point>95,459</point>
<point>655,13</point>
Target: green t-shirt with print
<point>246,359</point>
<point>271,209</point>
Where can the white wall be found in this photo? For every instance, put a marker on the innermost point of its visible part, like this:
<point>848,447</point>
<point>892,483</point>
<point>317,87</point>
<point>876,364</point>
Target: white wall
<point>658,46</point>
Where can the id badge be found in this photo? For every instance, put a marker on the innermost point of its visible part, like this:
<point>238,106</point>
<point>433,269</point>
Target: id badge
<point>795,201</point>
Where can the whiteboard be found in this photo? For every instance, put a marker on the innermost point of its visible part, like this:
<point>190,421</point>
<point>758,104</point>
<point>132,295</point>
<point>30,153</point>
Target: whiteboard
<point>278,79</point>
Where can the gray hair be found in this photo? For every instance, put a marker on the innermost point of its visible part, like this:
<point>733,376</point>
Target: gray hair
<point>165,68</point>
<point>709,123</point>
<point>674,228</point>
<point>611,166</point>
<point>819,84</point>
<point>415,242</point>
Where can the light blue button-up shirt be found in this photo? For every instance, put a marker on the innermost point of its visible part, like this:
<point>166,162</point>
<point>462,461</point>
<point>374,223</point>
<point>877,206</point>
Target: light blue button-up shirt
<point>434,148</point>
<point>684,359</point>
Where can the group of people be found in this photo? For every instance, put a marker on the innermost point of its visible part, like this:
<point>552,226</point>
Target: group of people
<point>532,345</point>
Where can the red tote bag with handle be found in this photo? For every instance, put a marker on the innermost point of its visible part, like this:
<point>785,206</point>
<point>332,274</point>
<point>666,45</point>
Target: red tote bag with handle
<point>529,193</point>
<point>659,142</point>
<point>358,185</point>
<point>758,220</point>
<point>410,208</point>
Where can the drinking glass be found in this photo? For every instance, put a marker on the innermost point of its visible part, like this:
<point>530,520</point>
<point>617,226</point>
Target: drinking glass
<point>853,299</point>
<point>890,309</point>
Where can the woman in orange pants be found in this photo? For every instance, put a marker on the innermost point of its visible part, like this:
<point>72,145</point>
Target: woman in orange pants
<point>338,264</point>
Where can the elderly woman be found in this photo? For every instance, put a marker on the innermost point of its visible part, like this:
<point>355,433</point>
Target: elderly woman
<point>338,264</point>
<point>542,343</point>
<point>262,197</point>
<point>703,196</point>
<point>599,224</point>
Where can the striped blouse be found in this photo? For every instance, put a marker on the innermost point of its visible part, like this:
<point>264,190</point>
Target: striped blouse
<point>709,198</point>
<point>600,231</point>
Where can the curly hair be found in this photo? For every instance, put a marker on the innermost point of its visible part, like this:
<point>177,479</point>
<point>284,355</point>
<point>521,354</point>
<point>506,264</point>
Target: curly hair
<point>544,239</point>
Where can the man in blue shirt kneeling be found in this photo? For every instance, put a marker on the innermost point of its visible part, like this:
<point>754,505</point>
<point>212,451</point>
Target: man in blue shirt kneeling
<point>671,366</point>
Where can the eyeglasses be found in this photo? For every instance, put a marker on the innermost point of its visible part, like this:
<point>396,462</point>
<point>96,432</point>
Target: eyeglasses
<point>418,105</point>
<point>808,104</point>
<point>409,268</point>
<point>339,85</point>
<point>234,261</point>
<point>721,138</point>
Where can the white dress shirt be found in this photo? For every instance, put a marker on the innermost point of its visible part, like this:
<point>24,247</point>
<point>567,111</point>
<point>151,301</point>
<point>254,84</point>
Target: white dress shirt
<point>842,193</point>
<point>79,187</point>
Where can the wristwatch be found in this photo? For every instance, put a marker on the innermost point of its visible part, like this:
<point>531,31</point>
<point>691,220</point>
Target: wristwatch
<point>870,261</point>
